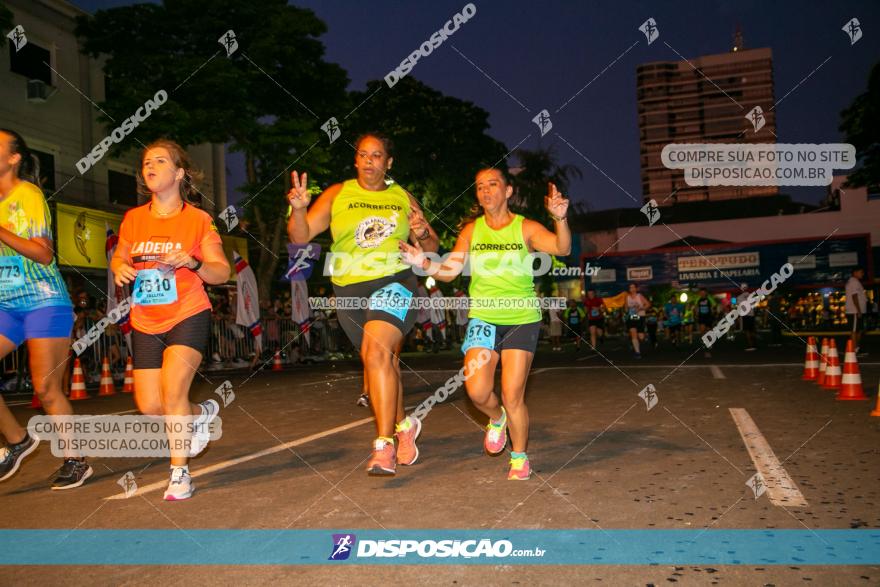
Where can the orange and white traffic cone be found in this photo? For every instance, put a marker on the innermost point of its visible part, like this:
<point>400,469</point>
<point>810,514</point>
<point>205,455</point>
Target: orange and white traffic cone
<point>128,383</point>
<point>851,383</point>
<point>35,402</point>
<point>823,362</point>
<point>833,374</point>
<point>276,362</point>
<point>811,363</point>
<point>106,387</point>
<point>77,383</point>
<point>876,411</point>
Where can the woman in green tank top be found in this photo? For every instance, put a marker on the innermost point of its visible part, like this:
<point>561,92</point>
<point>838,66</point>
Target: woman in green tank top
<point>505,317</point>
<point>367,217</point>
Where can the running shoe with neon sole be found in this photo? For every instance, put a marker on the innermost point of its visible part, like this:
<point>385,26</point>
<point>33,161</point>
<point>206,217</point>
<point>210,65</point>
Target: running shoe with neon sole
<point>384,459</point>
<point>72,473</point>
<point>496,434</point>
<point>202,427</point>
<point>407,451</point>
<point>11,456</point>
<point>180,487</point>
<point>519,469</point>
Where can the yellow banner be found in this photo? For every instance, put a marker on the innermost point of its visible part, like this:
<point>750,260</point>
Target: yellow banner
<point>82,235</point>
<point>82,238</point>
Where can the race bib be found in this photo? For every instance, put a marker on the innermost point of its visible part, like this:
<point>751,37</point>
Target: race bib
<point>480,335</point>
<point>633,313</point>
<point>574,319</point>
<point>154,288</point>
<point>704,309</point>
<point>11,273</point>
<point>392,299</point>
<point>594,312</point>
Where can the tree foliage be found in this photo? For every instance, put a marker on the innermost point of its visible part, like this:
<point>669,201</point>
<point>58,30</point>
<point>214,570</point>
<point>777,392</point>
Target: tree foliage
<point>860,122</point>
<point>267,100</point>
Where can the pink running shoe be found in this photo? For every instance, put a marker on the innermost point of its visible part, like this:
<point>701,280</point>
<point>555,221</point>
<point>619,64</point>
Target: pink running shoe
<point>384,460</point>
<point>496,435</point>
<point>519,469</point>
<point>407,451</point>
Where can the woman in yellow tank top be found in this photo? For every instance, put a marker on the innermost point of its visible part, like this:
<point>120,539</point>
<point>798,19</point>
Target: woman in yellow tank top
<point>504,319</point>
<point>367,218</point>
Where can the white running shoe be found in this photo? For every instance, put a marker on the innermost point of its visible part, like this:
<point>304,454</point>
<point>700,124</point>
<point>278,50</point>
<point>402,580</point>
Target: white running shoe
<point>181,485</point>
<point>201,427</point>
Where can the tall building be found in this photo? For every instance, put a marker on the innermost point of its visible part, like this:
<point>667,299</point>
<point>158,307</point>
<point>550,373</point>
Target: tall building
<point>49,93</point>
<point>702,100</point>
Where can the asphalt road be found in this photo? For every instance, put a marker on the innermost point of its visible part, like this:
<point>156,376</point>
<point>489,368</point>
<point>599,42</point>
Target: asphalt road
<point>603,462</point>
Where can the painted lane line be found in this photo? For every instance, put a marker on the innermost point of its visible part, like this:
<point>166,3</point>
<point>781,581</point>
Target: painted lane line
<point>716,372</point>
<point>243,459</point>
<point>781,489</point>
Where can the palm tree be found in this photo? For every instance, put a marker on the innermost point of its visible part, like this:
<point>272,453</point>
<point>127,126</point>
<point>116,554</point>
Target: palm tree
<point>537,168</point>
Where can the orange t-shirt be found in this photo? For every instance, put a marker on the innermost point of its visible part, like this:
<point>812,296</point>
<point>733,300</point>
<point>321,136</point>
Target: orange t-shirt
<point>150,238</point>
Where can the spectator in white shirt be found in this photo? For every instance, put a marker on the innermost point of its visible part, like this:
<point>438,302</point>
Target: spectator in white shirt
<point>856,305</point>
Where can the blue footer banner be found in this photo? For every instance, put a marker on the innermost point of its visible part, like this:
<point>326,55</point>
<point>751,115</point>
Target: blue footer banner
<point>471,547</point>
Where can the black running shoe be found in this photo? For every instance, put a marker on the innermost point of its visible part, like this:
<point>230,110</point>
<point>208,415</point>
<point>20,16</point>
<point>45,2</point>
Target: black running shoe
<point>363,400</point>
<point>11,456</point>
<point>72,473</point>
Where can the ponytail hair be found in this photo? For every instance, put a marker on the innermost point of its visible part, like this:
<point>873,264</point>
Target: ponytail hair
<point>192,176</point>
<point>28,169</point>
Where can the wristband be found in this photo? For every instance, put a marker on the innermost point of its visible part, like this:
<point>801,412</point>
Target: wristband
<point>198,265</point>
<point>558,218</point>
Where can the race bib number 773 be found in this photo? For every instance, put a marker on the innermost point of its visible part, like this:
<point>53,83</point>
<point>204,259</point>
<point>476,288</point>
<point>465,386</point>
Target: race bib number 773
<point>11,273</point>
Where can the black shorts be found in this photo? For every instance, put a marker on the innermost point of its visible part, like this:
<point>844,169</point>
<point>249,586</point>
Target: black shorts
<point>600,323</point>
<point>523,337</point>
<point>637,323</point>
<point>353,320</point>
<point>192,332</point>
<point>673,327</point>
<point>856,322</point>
<point>705,320</point>
<point>748,323</point>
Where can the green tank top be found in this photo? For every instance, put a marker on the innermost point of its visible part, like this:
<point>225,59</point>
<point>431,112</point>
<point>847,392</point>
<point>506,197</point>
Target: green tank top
<point>501,269</point>
<point>366,227</point>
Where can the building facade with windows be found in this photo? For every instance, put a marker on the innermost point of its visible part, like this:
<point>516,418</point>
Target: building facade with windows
<point>702,100</point>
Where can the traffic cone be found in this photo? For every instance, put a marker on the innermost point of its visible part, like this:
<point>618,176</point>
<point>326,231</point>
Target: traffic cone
<point>876,411</point>
<point>78,383</point>
<point>851,382</point>
<point>107,387</point>
<point>128,384</point>
<point>832,371</point>
<point>811,363</point>
<point>276,362</point>
<point>823,362</point>
<point>35,402</point>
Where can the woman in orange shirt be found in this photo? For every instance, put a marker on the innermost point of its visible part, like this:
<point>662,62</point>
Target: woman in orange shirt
<point>168,249</point>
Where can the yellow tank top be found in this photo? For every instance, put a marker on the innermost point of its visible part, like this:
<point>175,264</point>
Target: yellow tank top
<point>366,227</point>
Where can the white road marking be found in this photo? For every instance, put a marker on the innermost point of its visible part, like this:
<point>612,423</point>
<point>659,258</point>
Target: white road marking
<point>781,489</point>
<point>716,372</point>
<point>237,461</point>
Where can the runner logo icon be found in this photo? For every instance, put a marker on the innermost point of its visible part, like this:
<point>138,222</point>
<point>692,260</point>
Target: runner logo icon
<point>343,544</point>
